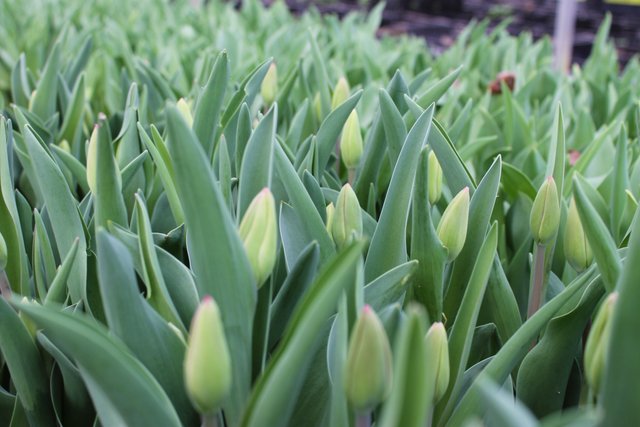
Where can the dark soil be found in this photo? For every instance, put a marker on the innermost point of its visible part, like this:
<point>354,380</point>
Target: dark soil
<point>439,21</point>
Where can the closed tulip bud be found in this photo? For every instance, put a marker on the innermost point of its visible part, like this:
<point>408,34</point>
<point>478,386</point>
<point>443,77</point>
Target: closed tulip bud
<point>258,231</point>
<point>207,364</point>
<point>438,356</point>
<point>317,107</point>
<point>347,219</point>
<point>351,145</point>
<point>64,145</point>
<point>340,93</point>
<point>330,212</point>
<point>576,247</point>
<point>368,373</point>
<point>595,352</point>
<point>185,110</point>
<point>269,88</point>
<point>92,159</point>
<point>435,178</point>
<point>545,213</point>
<point>3,253</point>
<point>452,229</point>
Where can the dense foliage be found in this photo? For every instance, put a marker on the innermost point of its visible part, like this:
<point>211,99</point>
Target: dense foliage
<point>237,217</point>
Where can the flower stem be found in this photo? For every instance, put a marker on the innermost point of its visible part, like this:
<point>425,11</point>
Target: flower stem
<point>210,420</point>
<point>352,176</point>
<point>363,419</point>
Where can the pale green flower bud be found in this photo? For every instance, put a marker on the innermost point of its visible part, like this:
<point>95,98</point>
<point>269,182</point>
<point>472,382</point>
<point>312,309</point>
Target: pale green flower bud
<point>576,247</point>
<point>269,88</point>
<point>330,210</point>
<point>435,178</point>
<point>64,145</point>
<point>347,219</point>
<point>185,110</point>
<point>438,358</point>
<point>452,229</point>
<point>351,145</point>
<point>595,352</point>
<point>207,364</point>
<point>368,373</point>
<point>545,213</point>
<point>258,231</point>
<point>3,253</point>
<point>340,93</point>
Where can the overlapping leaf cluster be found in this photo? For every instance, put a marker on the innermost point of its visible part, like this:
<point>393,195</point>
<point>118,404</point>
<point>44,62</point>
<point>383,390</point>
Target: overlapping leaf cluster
<point>134,140</point>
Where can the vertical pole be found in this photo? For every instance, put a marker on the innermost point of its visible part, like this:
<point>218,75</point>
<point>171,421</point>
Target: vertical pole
<point>563,33</point>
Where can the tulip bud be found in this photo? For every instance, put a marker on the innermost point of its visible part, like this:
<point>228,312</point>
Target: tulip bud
<point>595,352</point>
<point>92,159</point>
<point>435,178</point>
<point>258,231</point>
<point>576,247</point>
<point>317,107</point>
<point>64,145</point>
<point>438,356</point>
<point>452,229</point>
<point>340,93</point>
<point>347,219</point>
<point>207,364</point>
<point>351,144</point>
<point>3,253</point>
<point>269,88</point>
<point>330,209</point>
<point>185,110</point>
<point>545,213</point>
<point>368,371</point>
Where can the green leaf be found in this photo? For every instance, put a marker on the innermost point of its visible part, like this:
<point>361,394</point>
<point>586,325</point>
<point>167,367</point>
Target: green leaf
<point>390,287</point>
<point>602,244</point>
<point>435,92</point>
<point>394,127</point>
<point>141,402</point>
<point>257,161</point>
<point>503,410</point>
<point>388,244</point>
<point>43,103</point>
<point>26,367</point>
<point>331,128</point>
<point>207,110</point>
<point>63,212</point>
<point>621,397</point>
<point>217,255</point>
<point>271,403</point>
<point>620,185</point>
<point>461,335</point>
<point>408,404</point>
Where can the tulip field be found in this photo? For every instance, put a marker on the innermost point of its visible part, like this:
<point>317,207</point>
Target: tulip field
<point>226,215</point>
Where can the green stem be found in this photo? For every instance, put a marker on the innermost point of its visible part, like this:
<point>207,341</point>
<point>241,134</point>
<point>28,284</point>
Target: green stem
<point>210,420</point>
<point>538,282</point>
<point>352,176</point>
<point>363,419</point>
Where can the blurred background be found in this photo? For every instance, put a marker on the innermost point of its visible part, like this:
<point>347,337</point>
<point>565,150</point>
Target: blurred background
<point>439,21</point>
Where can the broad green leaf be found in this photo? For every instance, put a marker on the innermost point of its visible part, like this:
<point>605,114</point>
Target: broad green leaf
<point>141,402</point>
<point>435,92</point>
<point>216,253</point>
<point>331,128</point>
<point>271,402</point>
<point>26,367</point>
<point>388,244</point>
<point>63,212</point>
<point>43,103</point>
<point>391,286</point>
<point>394,127</point>
<point>504,411</point>
<point>601,242</point>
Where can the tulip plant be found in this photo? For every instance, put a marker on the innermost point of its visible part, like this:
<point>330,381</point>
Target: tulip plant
<point>225,216</point>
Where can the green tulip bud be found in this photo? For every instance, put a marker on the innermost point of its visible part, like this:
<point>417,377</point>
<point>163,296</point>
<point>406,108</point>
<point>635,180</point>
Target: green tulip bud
<point>64,145</point>
<point>3,253</point>
<point>595,352</point>
<point>258,231</point>
<point>207,364</point>
<point>545,213</point>
<point>368,374</point>
<point>351,145</point>
<point>347,219</point>
<point>435,178</point>
<point>438,356</point>
<point>330,210</point>
<point>269,87</point>
<point>185,110</point>
<point>576,247</point>
<point>452,229</point>
<point>92,159</point>
<point>340,93</point>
